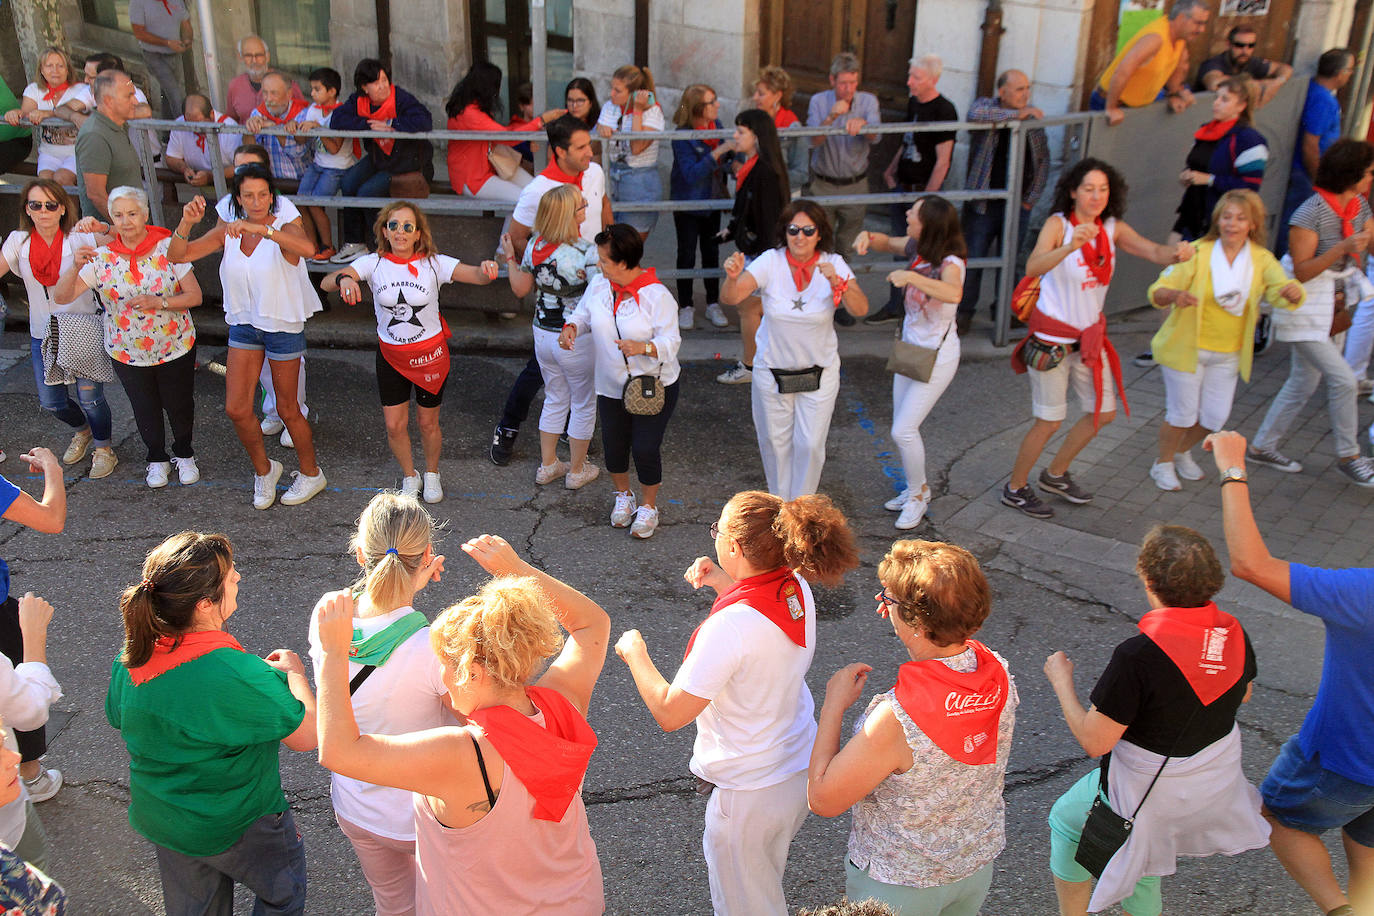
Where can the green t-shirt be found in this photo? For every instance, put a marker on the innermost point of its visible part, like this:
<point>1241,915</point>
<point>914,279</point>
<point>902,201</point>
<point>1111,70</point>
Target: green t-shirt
<point>202,742</point>
<point>104,148</point>
<point>8,103</point>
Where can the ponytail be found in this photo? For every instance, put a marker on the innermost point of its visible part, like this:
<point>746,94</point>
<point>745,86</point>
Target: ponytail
<point>393,533</point>
<point>808,534</point>
<point>177,575</point>
<point>635,78</point>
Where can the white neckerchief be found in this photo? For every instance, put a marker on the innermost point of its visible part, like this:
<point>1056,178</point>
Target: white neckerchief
<point>1231,281</point>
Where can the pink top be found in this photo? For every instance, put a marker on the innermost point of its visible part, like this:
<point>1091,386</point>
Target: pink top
<point>241,98</point>
<point>508,862</point>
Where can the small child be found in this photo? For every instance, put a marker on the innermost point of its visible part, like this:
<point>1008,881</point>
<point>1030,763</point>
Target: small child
<point>333,157</point>
<point>524,114</point>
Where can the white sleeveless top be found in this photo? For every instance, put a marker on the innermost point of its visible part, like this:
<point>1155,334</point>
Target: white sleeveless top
<point>1069,292</point>
<point>261,289</point>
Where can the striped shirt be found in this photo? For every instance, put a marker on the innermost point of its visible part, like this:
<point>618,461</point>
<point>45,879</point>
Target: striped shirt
<point>1316,215</point>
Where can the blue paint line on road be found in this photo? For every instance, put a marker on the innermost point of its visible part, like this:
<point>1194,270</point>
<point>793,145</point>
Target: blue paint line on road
<point>887,459</point>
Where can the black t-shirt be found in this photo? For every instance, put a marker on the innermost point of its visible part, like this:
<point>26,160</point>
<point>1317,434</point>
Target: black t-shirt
<point>1143,690</point>
<point>918,149</point>
<point>997,180</point>
<point>1257,67</point>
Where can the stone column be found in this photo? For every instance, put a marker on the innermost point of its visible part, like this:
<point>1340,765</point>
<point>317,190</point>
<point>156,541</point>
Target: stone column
<point>38,23</point>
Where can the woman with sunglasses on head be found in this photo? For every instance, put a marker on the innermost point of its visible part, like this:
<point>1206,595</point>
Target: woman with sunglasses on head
<point>405,274</point>
<point>267,299</point>
<point>39,251</point>
<point>934,284</point>
<point>743,682</point>
<point>633,174</point>
<point>924,769</point>
<point>797,365</point>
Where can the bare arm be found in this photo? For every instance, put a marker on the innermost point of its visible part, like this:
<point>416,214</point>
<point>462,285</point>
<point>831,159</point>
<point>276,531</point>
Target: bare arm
<point>1302,247</point>
<point>671,707</point>
<point>98,193</point>
<point>1142,51</point>
<point>1095,732</point>
<point>837,778</point>
<point>69,285</point>
<point>867,241</point>
<point>476,274</point>
<point>1250,556</point>
<point>739,284</point>
<point>520,237</point>
<point>49,514</point>
<point>1131,242</point>
<point>949,288</point>
<point>943,152</point>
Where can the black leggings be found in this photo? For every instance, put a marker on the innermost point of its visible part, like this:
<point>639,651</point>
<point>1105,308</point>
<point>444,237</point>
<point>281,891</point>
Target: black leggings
<point>522,395</point>
<point>624,434</point>
<point>695,229</point>
<point>31,744</point>
<point>167,388</point>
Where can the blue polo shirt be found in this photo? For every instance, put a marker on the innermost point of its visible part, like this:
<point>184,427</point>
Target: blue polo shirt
<point>1321,117</point>
<point>8,494</point>
<point>1339,728</point>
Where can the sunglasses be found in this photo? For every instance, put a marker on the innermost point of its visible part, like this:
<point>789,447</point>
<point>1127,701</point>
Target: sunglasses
<point>715,530</point>
<point>51,206</point>
<point>395,224</point>
<point>1242,44</point>
<point>808,231</point>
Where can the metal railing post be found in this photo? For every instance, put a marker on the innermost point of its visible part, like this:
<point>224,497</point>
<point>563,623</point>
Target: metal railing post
<point>145,155</point>
<point>1011,219</point>
<point>217,163</point>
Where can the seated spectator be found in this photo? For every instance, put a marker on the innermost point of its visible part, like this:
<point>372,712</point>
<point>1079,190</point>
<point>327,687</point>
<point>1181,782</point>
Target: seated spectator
<point>523,114</point>
<point>1152,65</point>
<point>42,98</point>
<point>23,887</point>
<point>333,157</point>
<point>473,105</point>
<point>244,92</point>
<point>79,99</point>
<point>1239,57</point>
<point>188,151</point>
<point>280,109</point>
<point>634,163</point>
<point>16,141</point>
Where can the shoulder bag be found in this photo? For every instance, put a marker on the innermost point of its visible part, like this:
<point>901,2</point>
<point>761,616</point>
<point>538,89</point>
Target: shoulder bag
<point>643,394</point>
<point>914,362</point>
<point>505,161</point>
<point>74,348</point>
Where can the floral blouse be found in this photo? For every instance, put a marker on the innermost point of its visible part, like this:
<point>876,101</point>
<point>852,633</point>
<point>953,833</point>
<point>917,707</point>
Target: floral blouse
<point>26,891</point>
<point>137,337</point>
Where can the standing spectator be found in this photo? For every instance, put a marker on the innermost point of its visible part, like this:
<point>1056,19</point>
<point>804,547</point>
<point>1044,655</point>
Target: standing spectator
<point>989,170</point>
<point>1239,57</point>
<point>1152,65</point>
<point>332,156</point>
<point>743,682</point>
<point>105,157</point>
<point>163,31</point>
<point>41,108</point>
<point>839,165</point>
<point>1320,127</point>
<point>279,109</point>
<point>698,174</point>
<point>16,140</point>
<point>473,105</point>
<point>634,163</point>
<point>580,99</point>
<point>1228,154</point>
<point>773,96</point>
<point>379,106</point>
<point>921,163</point>
<point>1323,776</point>
<point>188,151</point>
<point>244,92</point>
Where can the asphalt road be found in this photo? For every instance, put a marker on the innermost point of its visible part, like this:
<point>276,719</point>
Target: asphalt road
<point>644,816</point>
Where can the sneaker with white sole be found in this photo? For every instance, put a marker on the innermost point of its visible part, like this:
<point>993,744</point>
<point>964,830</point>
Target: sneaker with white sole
<point>1359,471</point>
<point>716,315</point>
<point>548,473</point>
<point>349,253</point>
<point>686,318</point>
<point>265,485</point>
<point>624,509</point>
<point>286,440</point>
<point>914,510</point>
<point>1273,459</point>
<point>1064,486</point>
<point>270,426</point>
<point>44,786</point>
<point>158,474</point>
<point>1186,467</point>
<point>1025,500</point>
<point>738,374</point>
<point>575,480</point>
<point>78,447</point>
<point>187,471</point>
<point>434,490</point>
<point>410,486</point>
<point>1165,476</point>
<point>646,522</point>
<point>898,502</point>
<point>1145,360</point>
<point>103,461</point>
<point>303,488</point>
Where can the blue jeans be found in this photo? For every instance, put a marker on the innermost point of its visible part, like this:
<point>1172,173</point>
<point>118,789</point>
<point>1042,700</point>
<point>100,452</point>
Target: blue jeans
<point>93,410</point>
<point>269,860</point>
<point>319,181</point>
<point>983,234</point>
<point>362,180</point>
<point>636,185</point>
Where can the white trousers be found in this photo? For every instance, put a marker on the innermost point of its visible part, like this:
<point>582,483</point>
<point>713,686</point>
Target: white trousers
<point>747,836</point>
<point>1204,395</point>
<point>1359,340</point>
<point>912,402</point>
<point>269,394</point>
<point>498,188</point>
<point>569,386</point>
<point>791,430</point>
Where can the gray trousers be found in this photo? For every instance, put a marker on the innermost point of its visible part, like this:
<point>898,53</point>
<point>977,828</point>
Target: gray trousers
<point>848,220</point>
<point>1313,361</point>
<point>166,69</point>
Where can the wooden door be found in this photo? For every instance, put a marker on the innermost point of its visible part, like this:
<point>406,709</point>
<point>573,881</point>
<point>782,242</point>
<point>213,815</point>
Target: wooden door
<point>803,36</point>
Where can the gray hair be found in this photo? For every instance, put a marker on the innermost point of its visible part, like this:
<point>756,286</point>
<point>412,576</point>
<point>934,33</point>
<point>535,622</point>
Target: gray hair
<point>136,194</point>
<point>105,83</point>
<point>844,62</point>
<point>930,63</point>
<point>1185,8</point>
<point>1006,76</point>
<point>239,47</point>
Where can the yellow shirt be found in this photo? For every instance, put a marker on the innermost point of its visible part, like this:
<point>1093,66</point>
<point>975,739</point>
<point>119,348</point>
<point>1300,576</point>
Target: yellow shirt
<point>1144,85</point>
<point>1219,330</point>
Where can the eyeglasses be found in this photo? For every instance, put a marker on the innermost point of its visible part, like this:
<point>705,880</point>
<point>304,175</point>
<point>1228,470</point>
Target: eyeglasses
<point>808,231</point>
<point>1242,44</point>
<point>889,603</point>
<point>51,206</point>
<point>394,224</point>
<point>711,101</point>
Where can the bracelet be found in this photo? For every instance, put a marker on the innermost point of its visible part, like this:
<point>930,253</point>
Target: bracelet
<point>178,235</point>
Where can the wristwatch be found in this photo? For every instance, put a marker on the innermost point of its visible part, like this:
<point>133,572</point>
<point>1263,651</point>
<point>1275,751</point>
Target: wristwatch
<point>270,232</point>
<point>1233,475</point>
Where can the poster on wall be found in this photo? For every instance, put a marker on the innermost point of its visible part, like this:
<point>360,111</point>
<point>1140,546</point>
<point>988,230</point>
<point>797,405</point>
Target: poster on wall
<point>1244,8</point>
<point>1134,16</point>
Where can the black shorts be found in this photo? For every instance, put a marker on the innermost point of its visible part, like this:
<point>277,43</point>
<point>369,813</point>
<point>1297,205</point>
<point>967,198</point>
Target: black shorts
<point>394,388</point>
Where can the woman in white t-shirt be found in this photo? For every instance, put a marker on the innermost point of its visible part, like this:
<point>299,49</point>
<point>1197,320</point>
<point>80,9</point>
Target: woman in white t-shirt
<point>405,274</point>
<point>743,681</point>
<point>634,163</point>
<point>396,686</point>
<point>934,283</point>
<point>40,107</point>
<point>797,364</point>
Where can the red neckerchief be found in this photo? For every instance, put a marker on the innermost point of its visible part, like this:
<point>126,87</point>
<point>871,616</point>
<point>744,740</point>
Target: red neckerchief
<point>703,124</point>
<point>1206,643</point>
<point>959,710</point>
<point>784,118</point>
<point>171,651</point>
<point>55,92</point>
<point>424,362</point>
<point>745,169</point>
<point>775,595</point>
<point>1092,344</point>
<point>549,761</point>
<point>200,137</point>
<point>1214,130</point>
<point>45,261</point>
<point>801,270</point>
<point>1347,215</point>
<point>631,289</point>
<point>1097,254</point>
<point>117,246</point>
<point>357,144</point>
<point>554,173</point>
<point>295,108</point>
<point>408,263</point>
<point>542,250</point>
<point>384,112</point>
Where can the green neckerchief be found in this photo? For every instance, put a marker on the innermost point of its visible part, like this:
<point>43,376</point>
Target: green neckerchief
<point>377,648</point>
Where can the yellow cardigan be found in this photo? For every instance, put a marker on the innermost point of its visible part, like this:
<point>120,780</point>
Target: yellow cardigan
<point>1175,345</point>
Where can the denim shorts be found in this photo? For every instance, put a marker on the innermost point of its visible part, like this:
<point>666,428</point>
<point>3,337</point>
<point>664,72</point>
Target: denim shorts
<point>634,186</point>
<point>320,182</point>
<point>1302,795</point>
<point>280,345</point>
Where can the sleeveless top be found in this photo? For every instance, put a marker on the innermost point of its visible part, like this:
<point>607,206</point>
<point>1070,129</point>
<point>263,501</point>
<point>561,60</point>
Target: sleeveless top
<point>1069,292</point>
<point>1144,85</point>
<point>261,289</point>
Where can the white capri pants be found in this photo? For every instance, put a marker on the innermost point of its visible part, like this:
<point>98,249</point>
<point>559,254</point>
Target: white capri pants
<point>1203,396</point>
<point>748,832</point>
<point>498,188</point>
<point>56,158</point>
<point>1050,390</point>
<point>912,402</point>
<point>569,386</point>
<point>791,430</point>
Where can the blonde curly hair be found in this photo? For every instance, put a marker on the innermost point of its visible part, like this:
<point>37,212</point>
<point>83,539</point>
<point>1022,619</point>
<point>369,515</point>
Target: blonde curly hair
<point>508,628</point>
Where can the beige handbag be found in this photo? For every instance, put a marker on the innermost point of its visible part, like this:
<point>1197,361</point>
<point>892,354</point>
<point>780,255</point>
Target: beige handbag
<point>505,161</point>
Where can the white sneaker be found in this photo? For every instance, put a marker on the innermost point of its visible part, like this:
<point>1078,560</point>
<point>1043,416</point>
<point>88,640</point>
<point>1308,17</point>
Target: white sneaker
<point>716,315</point>
<point>646,522</point>
<point>913,511</point>
<point>624,510</point>
<point>577,479</point>
<point>1186,467</point>
<point>548,473</point>
<point>898,502</point>
<point>265,485</point>
<point>187,472</point>
<point>270,426</point>
<point>286,440</point>
<point>158,472</point>
<point>434,491</point>
<point>349,253</point>
<point>44,786</point>
<point>410,486</point>
<point>1164,476</point>
<point>686,318</point>
<point>303,488</point>
<point>738,374</point>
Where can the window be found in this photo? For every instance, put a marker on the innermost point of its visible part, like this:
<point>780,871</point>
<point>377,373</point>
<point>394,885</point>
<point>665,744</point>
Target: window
<point>109,14</point>
<point>501,35</point>
<point>297,33</point>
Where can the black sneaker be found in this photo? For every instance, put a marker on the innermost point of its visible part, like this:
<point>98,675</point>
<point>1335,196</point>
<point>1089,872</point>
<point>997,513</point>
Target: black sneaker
<point>1145,360</point>
<point>1264,334</point>
<point>883,316</point>
<point>502,445</point>
<point>843,318</point>
<point>1065,487</point>
<point>1025,500</point>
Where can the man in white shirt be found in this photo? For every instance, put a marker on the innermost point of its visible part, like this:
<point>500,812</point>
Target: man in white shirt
<point>188,151</point>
